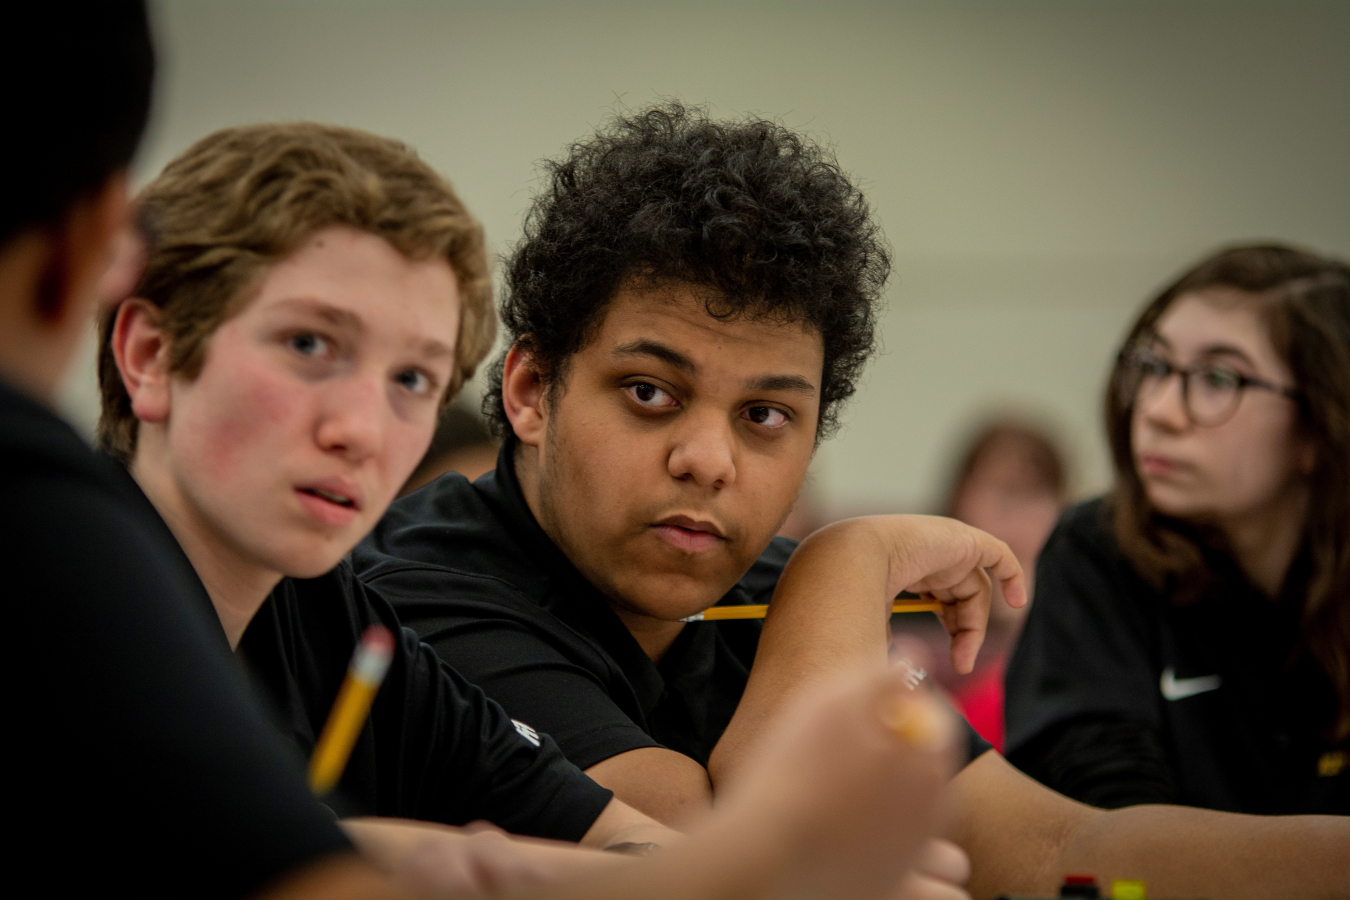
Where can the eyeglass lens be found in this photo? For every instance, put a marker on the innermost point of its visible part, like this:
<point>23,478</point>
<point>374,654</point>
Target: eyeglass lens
<point>1210,393</point>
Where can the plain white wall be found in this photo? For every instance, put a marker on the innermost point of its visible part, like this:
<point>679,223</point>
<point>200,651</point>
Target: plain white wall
<point>1039,167</point>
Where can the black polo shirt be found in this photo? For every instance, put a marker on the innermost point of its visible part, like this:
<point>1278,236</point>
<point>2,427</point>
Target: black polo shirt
<point>1215,692</point>
<point>434,747</point>
<point>469,568</point>
<point>138,760</point>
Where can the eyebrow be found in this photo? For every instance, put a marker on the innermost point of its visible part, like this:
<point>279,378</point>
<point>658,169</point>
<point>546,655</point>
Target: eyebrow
<point>795,384</point>
<point>655,350</point>
<point>434,349</point>
<point>346,320</point>
<point>339,318</point>
<point>1227,350</point>
<point>1211,349</point>
<point>792,383</point>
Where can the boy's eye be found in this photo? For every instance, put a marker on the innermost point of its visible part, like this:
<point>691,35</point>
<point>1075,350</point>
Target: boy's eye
<point>414,381</point>
<point>768,416</point>
<point>649,395</point>
<point>308,344</point>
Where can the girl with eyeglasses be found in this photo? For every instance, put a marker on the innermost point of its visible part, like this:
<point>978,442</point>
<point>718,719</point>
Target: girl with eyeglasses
<point>1190,639</point>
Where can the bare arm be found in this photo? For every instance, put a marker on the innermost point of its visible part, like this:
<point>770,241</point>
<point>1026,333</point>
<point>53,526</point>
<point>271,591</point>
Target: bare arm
<point>391,843</point>
<point>1023,838</point>
<point>666,785</point>
<point>832,604</point>
<point>837,804</point>
<point>619,823</point>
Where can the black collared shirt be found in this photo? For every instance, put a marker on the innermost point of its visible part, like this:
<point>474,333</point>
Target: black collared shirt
<point>469,568</point>
<point>434,747</point>
<point>1111,679</point>
<point>138,760</point>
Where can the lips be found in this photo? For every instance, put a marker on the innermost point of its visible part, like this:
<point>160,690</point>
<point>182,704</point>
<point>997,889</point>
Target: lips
<point>1153,464</point>
<point>689,534</point>
<point>332,501</point>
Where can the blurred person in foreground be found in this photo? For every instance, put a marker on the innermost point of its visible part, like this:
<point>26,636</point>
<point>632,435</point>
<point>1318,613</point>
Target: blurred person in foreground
<point>691,304</point>
<point>1191,637</point>
<point>143,760</point>
<point>1010,482</point>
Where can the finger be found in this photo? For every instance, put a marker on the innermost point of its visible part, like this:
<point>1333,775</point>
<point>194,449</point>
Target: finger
<point>998,558</point>
<point>943,860</point>
<point>916,886</point>
<point>966,620</point>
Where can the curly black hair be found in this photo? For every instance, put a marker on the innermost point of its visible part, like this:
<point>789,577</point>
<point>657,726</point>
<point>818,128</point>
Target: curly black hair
<point>761,217</point>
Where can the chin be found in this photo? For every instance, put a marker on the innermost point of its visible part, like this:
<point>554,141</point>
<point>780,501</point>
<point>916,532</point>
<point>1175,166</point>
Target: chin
<point>1177,504</point>
<point>306,562</point>
<point>672,597</point>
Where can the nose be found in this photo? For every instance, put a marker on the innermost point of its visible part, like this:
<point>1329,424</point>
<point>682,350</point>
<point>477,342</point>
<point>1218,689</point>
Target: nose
<point>351,421</point>
<point>704,451</point>
<point>1165,406</point>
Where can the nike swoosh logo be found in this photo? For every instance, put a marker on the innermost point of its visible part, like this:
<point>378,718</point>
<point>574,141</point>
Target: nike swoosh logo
<point>1174,688</point>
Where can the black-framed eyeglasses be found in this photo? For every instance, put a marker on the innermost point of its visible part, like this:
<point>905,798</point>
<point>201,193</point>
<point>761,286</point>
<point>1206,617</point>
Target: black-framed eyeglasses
<point>1210,391</point>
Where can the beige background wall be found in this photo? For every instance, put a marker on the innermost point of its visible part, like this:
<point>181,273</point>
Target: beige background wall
<point>1039,167</point>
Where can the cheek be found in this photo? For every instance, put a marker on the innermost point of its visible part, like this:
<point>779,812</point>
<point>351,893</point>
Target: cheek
<point>1259,464</point>
<point>234,424</point>
<point>771,486</point>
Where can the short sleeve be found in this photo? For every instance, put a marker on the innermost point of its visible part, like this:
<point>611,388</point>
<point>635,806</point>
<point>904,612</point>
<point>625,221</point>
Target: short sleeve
<point>435,746</point>
<point>1086,648</point>
<point>541,672</point>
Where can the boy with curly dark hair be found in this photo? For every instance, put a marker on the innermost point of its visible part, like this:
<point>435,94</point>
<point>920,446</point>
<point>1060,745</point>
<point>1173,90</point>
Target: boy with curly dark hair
<point>692,302</point>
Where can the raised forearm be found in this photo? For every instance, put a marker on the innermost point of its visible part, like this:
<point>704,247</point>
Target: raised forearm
<point>832,603</point>
<point>828,614</point>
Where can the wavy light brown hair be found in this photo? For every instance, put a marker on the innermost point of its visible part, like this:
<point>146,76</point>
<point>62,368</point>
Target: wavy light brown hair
<point>241,199</point>
<point>1305,299</point>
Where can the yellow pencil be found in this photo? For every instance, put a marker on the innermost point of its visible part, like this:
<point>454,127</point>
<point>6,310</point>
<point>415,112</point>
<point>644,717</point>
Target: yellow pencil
<point>369,663</point>
<point>716,613</point>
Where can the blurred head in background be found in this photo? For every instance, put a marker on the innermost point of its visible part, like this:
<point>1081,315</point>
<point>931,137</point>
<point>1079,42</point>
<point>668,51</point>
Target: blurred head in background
<point>1229,422</point>
<point>1012,483</point>
<point>78,95</point>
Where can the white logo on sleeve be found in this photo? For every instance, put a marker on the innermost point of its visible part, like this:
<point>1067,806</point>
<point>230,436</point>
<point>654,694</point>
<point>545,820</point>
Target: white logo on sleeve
<point>526,732</point>
<point>1174,688</point>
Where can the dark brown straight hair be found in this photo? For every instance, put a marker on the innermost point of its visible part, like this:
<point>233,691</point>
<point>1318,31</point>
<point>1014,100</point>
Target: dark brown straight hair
<point>1305,299</point>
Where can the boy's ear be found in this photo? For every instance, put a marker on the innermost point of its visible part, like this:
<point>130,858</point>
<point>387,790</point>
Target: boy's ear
<point>141,350</point>
<point>523,397</point>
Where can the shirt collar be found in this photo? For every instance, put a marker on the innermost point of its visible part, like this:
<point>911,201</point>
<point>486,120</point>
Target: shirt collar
<point>570,596</point>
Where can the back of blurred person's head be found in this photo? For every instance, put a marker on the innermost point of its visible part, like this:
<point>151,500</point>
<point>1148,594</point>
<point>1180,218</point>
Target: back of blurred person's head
<point>77,79</point>
<point>77,94</point>
<point>1011,482</point>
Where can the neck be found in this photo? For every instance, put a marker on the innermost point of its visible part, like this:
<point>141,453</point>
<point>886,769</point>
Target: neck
<point>653,635</point>
<point>1264,542</point>
<point>33,352</point>
<point>237,586</point>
